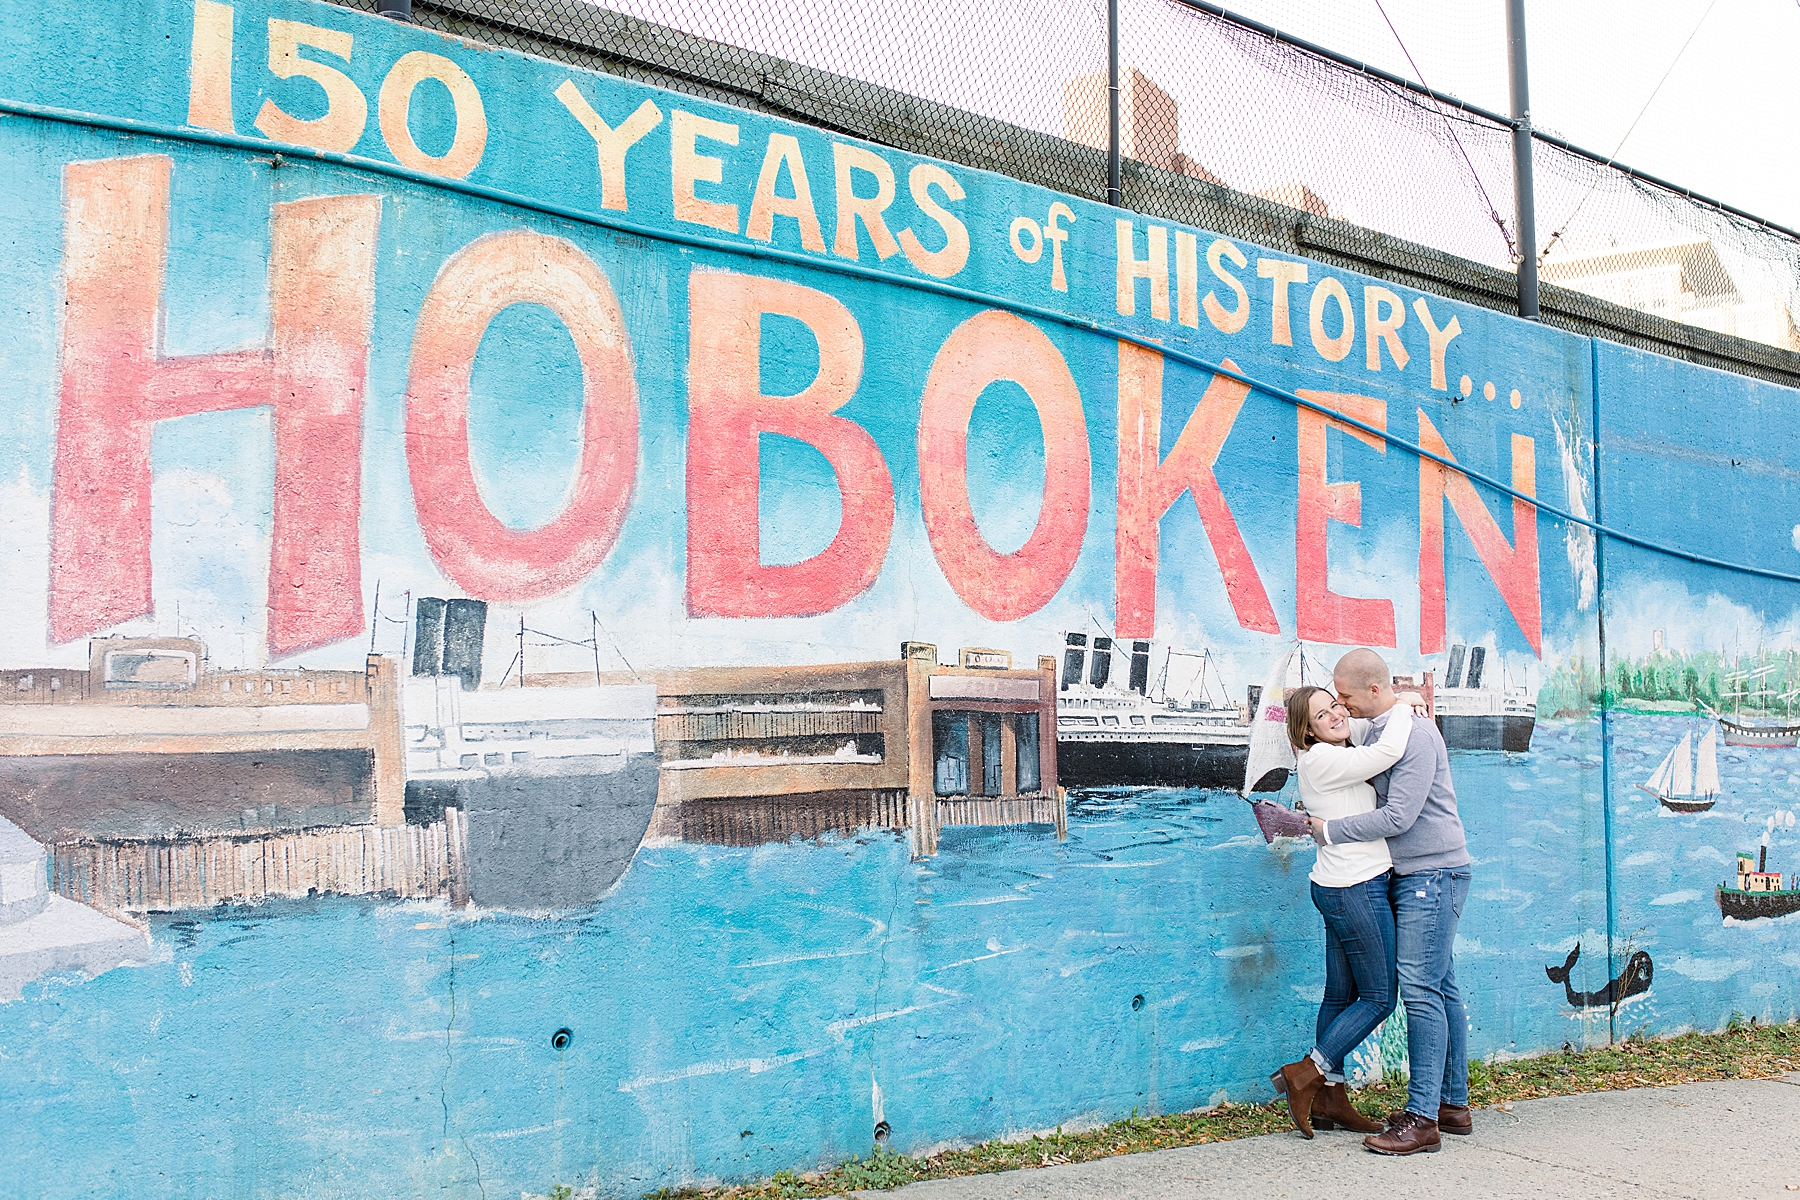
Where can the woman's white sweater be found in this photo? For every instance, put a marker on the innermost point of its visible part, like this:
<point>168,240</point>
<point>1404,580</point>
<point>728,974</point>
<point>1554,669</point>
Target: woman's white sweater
<point>1334,782</point>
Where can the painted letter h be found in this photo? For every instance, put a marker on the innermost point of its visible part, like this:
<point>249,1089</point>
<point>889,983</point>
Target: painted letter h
<point>116,384</point>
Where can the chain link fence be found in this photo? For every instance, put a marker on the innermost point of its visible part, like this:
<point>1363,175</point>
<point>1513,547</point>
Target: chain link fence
<point>1214,109</point>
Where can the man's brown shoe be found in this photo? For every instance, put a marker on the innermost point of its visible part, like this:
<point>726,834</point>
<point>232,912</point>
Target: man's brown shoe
<point>1452,1118</point>
<point>1409,1134</point>
<point>1301,1081</point>
<point>1332,1109</point>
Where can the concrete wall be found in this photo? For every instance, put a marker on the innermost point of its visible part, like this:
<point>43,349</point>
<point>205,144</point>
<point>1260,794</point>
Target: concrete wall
<point>311,317</point>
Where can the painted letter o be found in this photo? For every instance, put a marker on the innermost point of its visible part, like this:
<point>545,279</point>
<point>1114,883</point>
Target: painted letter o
<point>395,100</point>
<point>988,347</point>
<point>1020,227</point>
<point>1332,349</point>
<point>489,560</point>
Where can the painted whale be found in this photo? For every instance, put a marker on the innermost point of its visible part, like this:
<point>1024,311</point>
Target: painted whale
<point>1633,981</point>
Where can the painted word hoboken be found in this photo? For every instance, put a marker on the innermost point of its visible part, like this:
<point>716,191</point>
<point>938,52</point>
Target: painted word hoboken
<point>117,381</point>
<point>622,641</point>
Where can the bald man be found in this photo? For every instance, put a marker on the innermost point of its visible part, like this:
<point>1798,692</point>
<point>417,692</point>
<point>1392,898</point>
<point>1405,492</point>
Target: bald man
<point>1416,813</point>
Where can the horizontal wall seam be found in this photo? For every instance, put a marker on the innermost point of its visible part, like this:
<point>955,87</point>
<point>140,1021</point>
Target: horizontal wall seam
<point>262,146</point>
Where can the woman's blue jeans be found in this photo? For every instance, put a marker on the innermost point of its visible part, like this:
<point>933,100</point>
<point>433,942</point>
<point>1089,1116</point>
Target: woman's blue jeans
<point>1360,980</point>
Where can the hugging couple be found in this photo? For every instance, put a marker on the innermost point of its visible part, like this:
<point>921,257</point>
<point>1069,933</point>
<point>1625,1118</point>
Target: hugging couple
<point>1390,881</point>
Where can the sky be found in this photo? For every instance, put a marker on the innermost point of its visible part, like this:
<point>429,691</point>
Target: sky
<point>1716,124</point>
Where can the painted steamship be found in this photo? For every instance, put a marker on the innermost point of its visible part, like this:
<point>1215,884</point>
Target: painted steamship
<point>1473,714</point>
<point>1134,733</point>
<point>556,785</point>
<point>1473,710</point>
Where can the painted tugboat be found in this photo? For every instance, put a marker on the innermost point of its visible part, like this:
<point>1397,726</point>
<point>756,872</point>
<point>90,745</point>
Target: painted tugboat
<point>1681,786</point>
<point>1758,893</point>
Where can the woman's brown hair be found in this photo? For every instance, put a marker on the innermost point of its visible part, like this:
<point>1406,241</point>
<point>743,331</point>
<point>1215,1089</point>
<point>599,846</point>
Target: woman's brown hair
<point>1299,718</point>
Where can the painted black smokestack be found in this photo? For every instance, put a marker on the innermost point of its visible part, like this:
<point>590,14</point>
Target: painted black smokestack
<point>1140,668</point>
<point>399,10</point>
<point>1100,662</point>
<point>448,638</point>
<point>464,623</point>
<point>1074,659</point>
<point>428,636</point>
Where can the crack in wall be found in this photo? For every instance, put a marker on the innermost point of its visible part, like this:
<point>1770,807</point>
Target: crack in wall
<point>449,1064</point>
<point>877,1115</point>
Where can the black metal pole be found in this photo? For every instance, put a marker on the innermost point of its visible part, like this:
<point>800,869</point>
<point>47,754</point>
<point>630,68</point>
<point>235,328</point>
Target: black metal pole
<point>399,10</point>
<point>1524,198</point>
<point>1114,192</point>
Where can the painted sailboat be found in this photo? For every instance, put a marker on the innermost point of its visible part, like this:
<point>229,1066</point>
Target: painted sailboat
<point>1681,785</point>
<point>1271,757</point>
<point>1739,732</point>
<point>1759,727</point>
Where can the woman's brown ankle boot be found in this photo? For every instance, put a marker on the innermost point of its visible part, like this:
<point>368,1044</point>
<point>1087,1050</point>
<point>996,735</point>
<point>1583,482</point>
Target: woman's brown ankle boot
<point>1301,1081</point>
<point>1332,1109</point>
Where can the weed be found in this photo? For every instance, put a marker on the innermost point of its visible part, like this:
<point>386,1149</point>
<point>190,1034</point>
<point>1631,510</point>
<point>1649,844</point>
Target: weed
<point>883,1169</point>
<point>1746,1049</point>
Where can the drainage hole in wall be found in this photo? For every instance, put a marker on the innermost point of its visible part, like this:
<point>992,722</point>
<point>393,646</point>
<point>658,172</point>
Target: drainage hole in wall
<point>881,1133</point>
<point>1137,1003</point>
<point>561,1038</point>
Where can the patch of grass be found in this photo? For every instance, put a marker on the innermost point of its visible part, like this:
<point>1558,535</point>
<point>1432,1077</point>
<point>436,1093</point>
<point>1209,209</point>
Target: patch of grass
<point>1745,1050</point>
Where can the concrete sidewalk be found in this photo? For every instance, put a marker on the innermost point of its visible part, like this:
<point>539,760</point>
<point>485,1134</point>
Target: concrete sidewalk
<point>1737,1140</point>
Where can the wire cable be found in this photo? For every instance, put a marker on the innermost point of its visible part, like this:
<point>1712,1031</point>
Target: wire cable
<point>1512,249</point>
<point>856,270</point>
<point>1613,157</point>
<point>594,613</point>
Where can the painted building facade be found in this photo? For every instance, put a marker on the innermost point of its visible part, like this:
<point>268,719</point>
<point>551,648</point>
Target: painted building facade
<point>557,632</point>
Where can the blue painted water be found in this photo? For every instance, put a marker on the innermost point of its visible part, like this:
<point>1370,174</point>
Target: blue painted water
<point>738,1011</point>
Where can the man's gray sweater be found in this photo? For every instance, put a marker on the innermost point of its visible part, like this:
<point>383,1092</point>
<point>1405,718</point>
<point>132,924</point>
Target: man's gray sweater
<point>1415,805</point>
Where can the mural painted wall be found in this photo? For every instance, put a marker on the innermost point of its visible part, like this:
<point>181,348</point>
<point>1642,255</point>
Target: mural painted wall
<point>556,632</point>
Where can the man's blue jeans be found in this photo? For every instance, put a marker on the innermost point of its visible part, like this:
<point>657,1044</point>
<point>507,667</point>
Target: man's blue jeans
<point>1359,967</point>
<point>1427,905</point>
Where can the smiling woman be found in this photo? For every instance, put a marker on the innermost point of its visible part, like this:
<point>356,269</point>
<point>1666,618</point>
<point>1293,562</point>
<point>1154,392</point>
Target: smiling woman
<point>1349,888</point>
